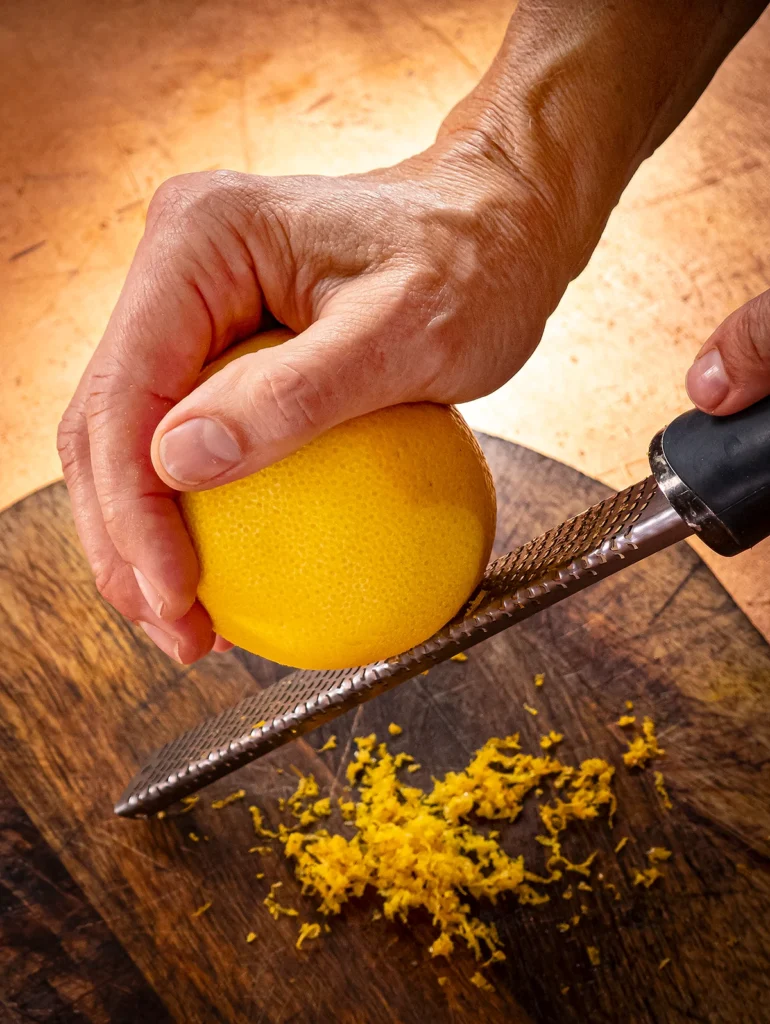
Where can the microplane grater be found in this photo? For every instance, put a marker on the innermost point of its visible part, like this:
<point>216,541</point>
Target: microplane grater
<point>560,562</point>
<point>617,532</point>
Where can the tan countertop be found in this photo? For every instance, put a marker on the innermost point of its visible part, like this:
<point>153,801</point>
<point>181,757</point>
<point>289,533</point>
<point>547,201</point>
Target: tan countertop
<point>99,108</point>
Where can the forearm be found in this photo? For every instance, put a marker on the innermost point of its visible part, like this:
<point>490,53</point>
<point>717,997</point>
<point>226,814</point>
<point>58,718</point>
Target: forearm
<point>582,91</point>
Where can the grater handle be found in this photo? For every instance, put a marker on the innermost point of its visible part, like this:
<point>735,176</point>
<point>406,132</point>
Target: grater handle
<point>715,471</point>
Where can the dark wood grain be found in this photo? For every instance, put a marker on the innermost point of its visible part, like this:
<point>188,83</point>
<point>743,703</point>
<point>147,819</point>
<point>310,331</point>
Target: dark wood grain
<point>60,961</point>
<point>84,697</point>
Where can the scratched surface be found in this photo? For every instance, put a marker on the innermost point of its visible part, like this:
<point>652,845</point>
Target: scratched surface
<point>101,102</point>
<point>95,916</point>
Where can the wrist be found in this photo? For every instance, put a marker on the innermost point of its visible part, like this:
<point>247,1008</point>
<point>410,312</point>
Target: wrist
<point>514,213</point>
<point>580,94</point>
<point>482,245</point>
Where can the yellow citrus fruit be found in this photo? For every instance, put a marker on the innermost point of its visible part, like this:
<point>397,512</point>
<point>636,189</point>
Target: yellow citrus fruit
<point>356,547</point>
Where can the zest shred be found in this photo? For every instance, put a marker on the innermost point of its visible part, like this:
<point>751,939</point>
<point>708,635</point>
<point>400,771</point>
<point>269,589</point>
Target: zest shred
<point>660,786</point>
<point>481,982</point>
<point>227,800</point>
<point>307,931</point>
<point>418,849</point>
<point>644,748</point>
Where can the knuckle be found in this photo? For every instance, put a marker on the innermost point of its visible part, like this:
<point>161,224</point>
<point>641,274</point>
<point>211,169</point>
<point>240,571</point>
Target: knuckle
<point>298,402</point>
<point>70,439</point>
<point>108,582</point>
<point>110,508</point>
<point>756,330</point>
<point>185,196</point>
<point>171,197</point>
<point>753,333</point>
<point>103,398</point>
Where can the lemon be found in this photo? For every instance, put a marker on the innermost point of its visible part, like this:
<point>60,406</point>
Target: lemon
<point>356,547</point>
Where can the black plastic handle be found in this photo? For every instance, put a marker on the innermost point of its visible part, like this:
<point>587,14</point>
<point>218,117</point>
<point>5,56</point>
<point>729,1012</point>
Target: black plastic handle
<point>724,464</point>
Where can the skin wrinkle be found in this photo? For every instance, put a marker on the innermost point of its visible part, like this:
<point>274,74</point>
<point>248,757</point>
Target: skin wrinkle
<point>533,206</point>
<point>227,259</point>
<point>121,351</point>
<point>296,397</point>
<point>242,300</point>
<point>756,324</point>
<point>212,278</point>
<point>282,307</point>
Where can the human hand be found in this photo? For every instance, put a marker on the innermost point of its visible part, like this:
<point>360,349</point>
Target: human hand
<point>428,281</point>
<point>732,370</point>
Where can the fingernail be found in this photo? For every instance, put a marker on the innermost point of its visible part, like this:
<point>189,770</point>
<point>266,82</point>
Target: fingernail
<point>707,382</point>
<point>198,450</point>
<point>149,593</point>
<point>168,644</point>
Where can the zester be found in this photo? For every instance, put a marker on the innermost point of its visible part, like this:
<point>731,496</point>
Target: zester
<point>710,478</point>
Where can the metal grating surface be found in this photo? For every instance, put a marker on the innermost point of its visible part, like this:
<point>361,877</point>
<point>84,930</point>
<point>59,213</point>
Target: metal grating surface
<point>566,559</point>
<point>566,542</point>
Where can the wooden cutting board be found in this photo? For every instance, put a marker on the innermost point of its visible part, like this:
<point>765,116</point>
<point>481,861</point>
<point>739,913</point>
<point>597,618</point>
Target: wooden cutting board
<point>95,918</point>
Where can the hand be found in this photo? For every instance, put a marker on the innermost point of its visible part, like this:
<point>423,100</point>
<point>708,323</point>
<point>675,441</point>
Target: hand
<point>428,281</point>
<point>732,370</point>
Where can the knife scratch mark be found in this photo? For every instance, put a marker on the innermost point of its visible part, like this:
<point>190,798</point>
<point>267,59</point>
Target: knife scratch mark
<point>25,252</point>
<point>676,592</point>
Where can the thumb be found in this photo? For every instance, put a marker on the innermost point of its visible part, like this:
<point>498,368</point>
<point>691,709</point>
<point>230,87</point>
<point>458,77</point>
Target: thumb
<point>732,370</point>
<point>266,404</point>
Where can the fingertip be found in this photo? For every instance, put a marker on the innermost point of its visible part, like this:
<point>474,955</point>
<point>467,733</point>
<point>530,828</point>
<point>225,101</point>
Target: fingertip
<point>187,639</point>
<point>707,382</point>
<point>162,558</point>
<point>171,599</point>
<point>195,452</point>
<point>150,593</point>
<point>166,642</point>
<point>197,635</point>
<point>221,646</point>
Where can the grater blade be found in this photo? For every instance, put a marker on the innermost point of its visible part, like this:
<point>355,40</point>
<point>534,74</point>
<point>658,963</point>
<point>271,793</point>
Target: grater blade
<point>617,532</point>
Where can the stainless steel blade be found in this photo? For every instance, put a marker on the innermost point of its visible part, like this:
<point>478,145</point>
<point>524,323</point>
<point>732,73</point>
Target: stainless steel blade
<point>605,538</point>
